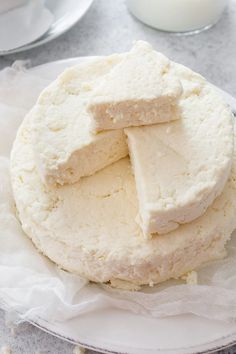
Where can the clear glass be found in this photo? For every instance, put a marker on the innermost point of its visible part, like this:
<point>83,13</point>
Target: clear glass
<point>182,16</point>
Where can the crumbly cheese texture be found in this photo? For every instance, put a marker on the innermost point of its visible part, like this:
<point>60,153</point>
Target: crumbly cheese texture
<point>89,227</point>
<point>137,91</point>
<point>78,350</point>
<point>181,167</point>
<point>65,147</point>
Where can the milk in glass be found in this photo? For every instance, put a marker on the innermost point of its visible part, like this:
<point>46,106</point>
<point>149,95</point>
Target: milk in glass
<point>178,15</point>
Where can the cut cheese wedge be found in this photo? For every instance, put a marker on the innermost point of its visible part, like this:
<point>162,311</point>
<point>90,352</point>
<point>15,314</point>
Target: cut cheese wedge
<point>182,166</point>
<point>64,145</point>
<point>89,227</point>
<point>137,91</point>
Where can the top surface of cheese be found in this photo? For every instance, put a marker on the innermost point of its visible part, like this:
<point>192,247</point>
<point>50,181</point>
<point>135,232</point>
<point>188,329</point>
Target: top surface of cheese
<point>89,227</point>
<point>180,167</point>
<point>137,91</point>
<point>65,148</point>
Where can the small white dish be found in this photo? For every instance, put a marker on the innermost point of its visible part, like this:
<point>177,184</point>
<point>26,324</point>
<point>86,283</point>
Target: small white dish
<point>7,5</point>
<point>23,24</point>
<point>118,331</point>
<point>65,15</point>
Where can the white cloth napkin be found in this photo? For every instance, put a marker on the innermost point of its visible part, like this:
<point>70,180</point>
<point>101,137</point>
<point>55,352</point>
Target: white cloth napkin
<point>34,287</point>
<point>24,24</point>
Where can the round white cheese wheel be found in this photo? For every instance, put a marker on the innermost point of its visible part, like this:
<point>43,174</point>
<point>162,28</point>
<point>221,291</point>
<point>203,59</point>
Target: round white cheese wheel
<point>89,227</point>
<point>180,167</point>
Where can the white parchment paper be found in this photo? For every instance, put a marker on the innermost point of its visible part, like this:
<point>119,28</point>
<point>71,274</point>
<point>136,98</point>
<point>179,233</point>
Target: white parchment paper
<point>33,286</point>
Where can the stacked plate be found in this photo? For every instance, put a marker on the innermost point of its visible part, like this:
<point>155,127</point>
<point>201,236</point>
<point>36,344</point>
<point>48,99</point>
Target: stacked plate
<point>25,24</point>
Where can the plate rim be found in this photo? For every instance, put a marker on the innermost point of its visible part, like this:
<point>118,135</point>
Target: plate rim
<point>203,348</point>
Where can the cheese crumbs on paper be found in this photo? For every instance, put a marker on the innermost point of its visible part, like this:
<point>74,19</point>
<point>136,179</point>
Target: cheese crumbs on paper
<point>79,350</point>
<point>191,278</point>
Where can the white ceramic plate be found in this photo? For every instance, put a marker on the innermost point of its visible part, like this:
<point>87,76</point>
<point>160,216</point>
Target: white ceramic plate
<point>66,14</point>
<point>119,331</point>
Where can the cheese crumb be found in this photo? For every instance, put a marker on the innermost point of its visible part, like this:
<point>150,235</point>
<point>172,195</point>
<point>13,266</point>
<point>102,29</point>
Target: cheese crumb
<point>191,278</point>
<point>6,349</point>
<point>78,350</point>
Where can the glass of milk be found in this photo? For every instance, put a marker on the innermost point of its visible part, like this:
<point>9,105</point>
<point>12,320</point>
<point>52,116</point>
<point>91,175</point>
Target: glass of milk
<point>178,15</point>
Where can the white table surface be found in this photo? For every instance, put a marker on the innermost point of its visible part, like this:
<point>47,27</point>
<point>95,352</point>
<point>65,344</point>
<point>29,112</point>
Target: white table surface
<point>108,27</point>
